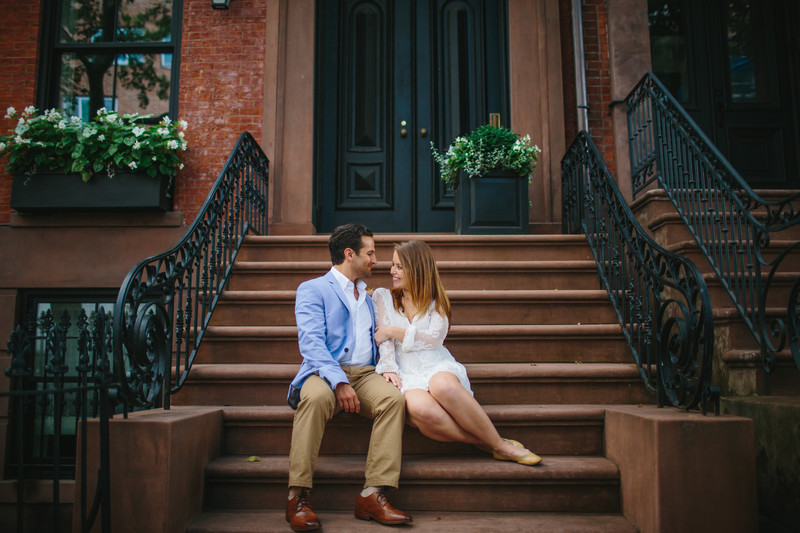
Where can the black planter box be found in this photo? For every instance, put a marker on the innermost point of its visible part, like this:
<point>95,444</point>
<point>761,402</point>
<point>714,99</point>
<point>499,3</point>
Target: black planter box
<point>43,192</point>
<point>496,203</point>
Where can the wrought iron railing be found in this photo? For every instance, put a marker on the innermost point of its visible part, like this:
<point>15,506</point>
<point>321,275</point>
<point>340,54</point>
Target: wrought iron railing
<point>660,298</point>
<point>733,226</point>
<point>50,402</point>
<point>166,301</point>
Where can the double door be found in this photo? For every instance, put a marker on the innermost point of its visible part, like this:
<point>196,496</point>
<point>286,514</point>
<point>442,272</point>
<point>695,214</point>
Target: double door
<point>392,77</point>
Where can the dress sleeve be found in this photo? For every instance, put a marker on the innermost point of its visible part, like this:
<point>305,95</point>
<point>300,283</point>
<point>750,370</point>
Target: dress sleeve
<point>426,333</point>
<point>386,361</point>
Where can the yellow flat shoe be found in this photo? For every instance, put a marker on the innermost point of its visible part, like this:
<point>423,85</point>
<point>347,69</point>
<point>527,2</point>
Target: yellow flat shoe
<point>529,459</point>
<point>513,442</point>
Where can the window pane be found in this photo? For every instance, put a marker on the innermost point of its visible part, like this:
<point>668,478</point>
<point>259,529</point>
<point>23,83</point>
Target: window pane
<point>144,21</point>
<point>747,61</point>
<point>668,46</point>
<point>86,21</point>
<point>126,83</point>
<point>93,21</point>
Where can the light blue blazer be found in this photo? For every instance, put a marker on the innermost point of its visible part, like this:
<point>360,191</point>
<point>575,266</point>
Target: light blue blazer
<point>324,333</point>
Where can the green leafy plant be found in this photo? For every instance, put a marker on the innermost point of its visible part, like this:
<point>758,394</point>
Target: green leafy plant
<point>108,143</point>
<point>487,148</point>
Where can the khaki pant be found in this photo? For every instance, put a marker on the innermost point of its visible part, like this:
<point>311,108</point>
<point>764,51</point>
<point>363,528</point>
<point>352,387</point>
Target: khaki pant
<point>380,401</point>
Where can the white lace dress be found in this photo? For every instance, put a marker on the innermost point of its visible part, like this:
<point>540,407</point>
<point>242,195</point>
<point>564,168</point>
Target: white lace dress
<point>422,353</point>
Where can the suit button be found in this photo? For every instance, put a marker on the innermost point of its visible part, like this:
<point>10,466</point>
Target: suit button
<point>346,350</point>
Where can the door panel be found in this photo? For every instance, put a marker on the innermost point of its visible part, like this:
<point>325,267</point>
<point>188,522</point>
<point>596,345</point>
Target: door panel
<point>393,76</point>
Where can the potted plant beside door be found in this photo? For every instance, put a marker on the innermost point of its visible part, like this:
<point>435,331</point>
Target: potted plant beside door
<point>490,170</point>
<point>112,162</point>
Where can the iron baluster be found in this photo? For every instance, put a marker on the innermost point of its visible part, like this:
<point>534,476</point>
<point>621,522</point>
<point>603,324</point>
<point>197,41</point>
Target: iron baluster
<point>660,298</point>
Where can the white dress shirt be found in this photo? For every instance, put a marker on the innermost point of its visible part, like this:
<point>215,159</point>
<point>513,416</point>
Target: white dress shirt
<point>360,317</point>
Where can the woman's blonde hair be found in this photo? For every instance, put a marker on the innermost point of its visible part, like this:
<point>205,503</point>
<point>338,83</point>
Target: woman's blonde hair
<point>424,284</point>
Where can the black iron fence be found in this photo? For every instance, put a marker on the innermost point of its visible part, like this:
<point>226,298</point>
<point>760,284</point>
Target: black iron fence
<point>734,227</point>
<point>660,298</point>
<point>51,401</point>
<point>133,357</point>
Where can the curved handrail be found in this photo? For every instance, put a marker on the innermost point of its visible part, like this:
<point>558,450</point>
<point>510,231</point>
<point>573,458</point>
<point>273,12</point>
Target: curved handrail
<point>733,226</point>
<point>660,297</point>
<point>166,301</point>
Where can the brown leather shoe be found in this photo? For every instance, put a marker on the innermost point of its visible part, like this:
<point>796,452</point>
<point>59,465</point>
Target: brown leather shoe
<point>299,514</point>
<point>377,507</point>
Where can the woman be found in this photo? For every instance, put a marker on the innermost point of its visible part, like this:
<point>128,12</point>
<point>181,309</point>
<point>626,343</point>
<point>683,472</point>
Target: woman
<point>413,320</point>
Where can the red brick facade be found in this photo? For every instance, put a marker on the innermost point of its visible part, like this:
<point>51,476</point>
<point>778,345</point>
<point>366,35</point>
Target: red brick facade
<point>598,78</point>
<point>19,47</point>
<point>221,90</point>
<point>221,85</point>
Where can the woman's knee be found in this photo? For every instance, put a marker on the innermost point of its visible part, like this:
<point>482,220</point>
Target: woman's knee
<point>445,384</point>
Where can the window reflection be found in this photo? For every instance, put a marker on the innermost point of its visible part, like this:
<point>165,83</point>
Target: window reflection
<point>123,72</point>
<point>746,53</point>
<point>668,46</point>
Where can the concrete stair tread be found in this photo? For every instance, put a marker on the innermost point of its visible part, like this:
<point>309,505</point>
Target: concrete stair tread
<point>531,414</point>
<point>423,468</point>
<point>430,238</point>
<point>471,331</point>
<point>504,266</point>
<point>267,521</point>
<point>476,371</point>
<point>454,295</point>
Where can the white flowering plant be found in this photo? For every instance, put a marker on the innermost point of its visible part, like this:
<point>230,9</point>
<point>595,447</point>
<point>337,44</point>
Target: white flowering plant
<point>52,141</point>
<point>485,149</point>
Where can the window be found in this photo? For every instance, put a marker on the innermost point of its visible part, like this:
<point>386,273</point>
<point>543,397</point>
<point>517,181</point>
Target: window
<point>119,52</point>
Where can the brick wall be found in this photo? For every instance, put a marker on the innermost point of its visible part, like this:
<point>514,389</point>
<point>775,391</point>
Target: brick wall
<point>19,46</point>
<point>221,85</point>
<point>598,78</point>
<point>221,90</point>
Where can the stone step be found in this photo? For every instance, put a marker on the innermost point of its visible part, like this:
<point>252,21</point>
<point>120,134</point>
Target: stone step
<point>497,383</point>
<point>456,275</point>
<point>428,483</point>
<point>446,247</point>
<point>267,521</point>
<point>738,257</point>
<point>276,308</point>
<point>547,429</point>
<point>589,343</point>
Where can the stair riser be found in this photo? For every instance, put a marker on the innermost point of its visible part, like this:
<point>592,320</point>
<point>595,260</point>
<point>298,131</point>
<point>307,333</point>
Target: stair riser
<point>263,313</point>
<point>587,349</point>
<point>546,439</point>
<point>544,392</point>
<point>474,279</point>
<point>453,495</point>
<point>554,251</point>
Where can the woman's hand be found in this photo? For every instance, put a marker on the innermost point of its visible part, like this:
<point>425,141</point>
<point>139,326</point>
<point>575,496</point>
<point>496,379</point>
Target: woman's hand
<point>393,378</point>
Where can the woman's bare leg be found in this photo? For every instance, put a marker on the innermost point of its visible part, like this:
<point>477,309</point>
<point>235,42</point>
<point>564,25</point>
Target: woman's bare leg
<point>467,413</point>
<point>425,413</point>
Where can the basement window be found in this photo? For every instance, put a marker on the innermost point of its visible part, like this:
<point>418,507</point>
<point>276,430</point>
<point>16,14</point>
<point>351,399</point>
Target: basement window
<point>44,445</point>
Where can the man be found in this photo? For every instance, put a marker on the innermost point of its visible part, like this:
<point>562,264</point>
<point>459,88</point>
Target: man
<point>335,329</point>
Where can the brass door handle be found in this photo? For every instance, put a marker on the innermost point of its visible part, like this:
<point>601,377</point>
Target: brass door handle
<point>403,133</point>
<point>423,132</point>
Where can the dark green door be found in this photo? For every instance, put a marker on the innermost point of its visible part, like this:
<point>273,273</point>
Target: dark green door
<point>733,64</point>
<point>392,76</point>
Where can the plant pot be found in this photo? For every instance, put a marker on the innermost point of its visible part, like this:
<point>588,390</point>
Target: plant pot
<point>495,203</point>
<point>52,191</point>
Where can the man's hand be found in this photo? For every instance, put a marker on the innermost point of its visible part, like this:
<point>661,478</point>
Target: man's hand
<point>346,398</point>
